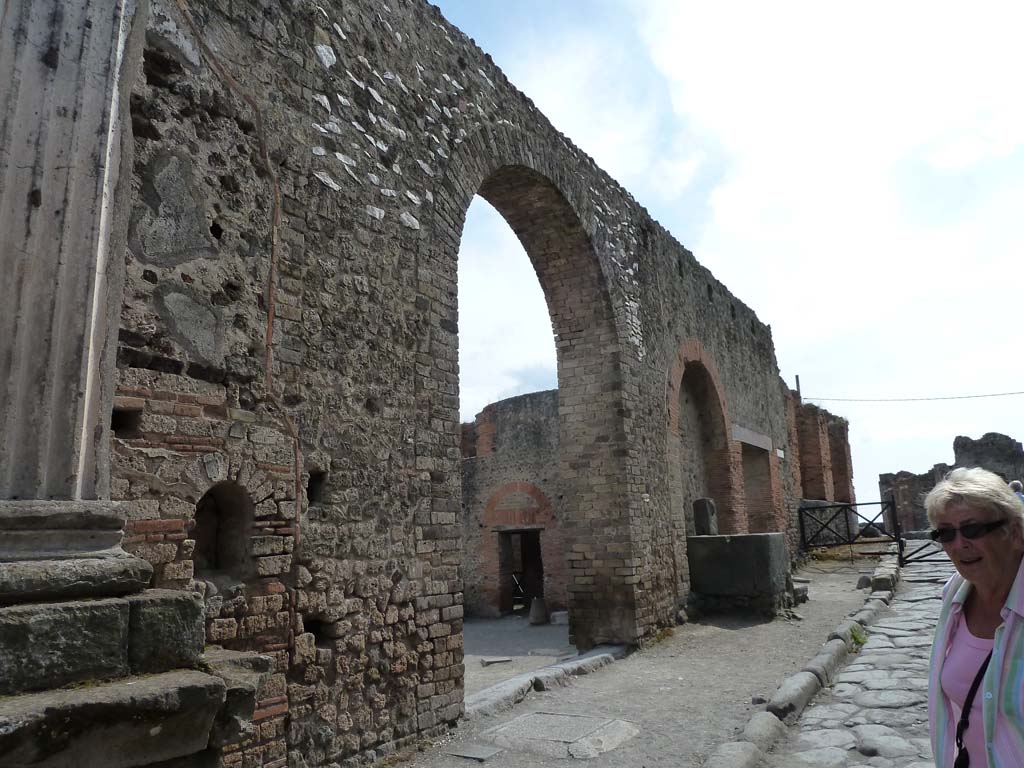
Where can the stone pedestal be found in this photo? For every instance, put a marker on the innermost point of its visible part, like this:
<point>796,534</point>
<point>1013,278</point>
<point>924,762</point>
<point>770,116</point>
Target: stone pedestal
<point>748,572</point>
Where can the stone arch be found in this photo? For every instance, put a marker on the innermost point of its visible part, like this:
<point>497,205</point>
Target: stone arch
<point>699,438</point>
<point>534,190</point>
<point>222,529</point>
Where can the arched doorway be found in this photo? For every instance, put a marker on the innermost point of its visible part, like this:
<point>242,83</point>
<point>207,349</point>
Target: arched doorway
<point>591,455</point>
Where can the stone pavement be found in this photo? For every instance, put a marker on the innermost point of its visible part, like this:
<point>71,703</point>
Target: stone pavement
<point>876,712</point>
<point>667,706</point>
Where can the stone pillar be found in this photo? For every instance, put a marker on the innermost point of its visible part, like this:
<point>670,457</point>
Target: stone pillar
<point>65,177</point>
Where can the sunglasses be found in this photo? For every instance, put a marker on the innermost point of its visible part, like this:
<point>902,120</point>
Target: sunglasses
<point>967,531</point>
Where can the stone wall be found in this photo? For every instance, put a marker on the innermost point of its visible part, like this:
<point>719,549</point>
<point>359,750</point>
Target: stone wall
<point>289,327</point>
<point>992,451</point>
<point>510,483</point>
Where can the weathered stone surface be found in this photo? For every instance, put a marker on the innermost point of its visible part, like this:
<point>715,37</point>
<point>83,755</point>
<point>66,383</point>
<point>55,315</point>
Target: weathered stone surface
<point>705,517</point>
<point>52,544</point>
<point>122,724</point>
<point>53,644</point>
<point>828,660</point>
<point>37,580</point>
<point>735,754</point>
<point>793,695</point>
<point>763,729</point>
<point>752,567</point>
<point>166,631</point>
<point>242,673</point>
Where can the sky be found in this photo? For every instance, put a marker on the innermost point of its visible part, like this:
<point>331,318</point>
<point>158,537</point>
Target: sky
<point>852,172</point>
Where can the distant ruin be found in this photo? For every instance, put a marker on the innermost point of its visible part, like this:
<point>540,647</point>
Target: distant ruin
<point>229,346</point>
<point>992,451</point>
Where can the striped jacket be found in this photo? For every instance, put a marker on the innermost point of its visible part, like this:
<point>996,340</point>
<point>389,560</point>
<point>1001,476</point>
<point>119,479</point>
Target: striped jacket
<point>1002,689</point>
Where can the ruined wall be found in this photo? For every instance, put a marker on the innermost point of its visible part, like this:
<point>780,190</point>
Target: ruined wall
<point>992,451</point>
<point>302,174</point>
<point>815,453</point>
<point>840,458</point>
<point>510,482</point>
<point>822,473</point>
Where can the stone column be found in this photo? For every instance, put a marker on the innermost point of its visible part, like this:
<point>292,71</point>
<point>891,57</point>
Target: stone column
<point>67,67</point>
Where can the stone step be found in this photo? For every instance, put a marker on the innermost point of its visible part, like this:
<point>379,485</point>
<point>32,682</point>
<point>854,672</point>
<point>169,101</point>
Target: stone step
<point>33,514</point>
<point>53,530</point>
<point>34,581</point>
<point>48,645</point>
<point>122,724</point>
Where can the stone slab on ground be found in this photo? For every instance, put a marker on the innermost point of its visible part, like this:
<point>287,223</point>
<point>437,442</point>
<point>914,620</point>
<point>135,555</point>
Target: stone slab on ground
<point>479,752</point>
<point>126,723</point>
<point>562,735</point>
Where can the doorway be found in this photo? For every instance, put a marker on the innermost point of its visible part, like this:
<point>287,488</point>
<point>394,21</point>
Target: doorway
<point>520,570</point>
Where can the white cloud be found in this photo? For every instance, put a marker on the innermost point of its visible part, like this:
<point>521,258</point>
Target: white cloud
<point>869,172</point>
<point>589,87</point>
<point>820,108</point>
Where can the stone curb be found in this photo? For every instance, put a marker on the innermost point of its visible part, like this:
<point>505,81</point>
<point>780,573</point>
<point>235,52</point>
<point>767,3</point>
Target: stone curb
<point>508,693</point>
<point>796,691</point>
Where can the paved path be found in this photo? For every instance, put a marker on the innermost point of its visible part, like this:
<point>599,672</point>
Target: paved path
<point>667,706</point>
<point>876,713</point>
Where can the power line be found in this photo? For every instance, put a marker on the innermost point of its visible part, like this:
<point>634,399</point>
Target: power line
<point>907,399</point>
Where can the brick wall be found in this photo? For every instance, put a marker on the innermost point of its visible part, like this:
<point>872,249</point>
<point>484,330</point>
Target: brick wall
<point>841,458</point>
<point>815,456</point>
<point>293,253</point>
<point>176,438</point>
<point>509,483</point>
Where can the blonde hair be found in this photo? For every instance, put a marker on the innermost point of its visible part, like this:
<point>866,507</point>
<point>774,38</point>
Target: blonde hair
<point>977,488</point>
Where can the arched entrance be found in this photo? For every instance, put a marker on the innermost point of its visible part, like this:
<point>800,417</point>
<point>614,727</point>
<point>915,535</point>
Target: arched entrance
<point>591,463</point>
<point>703,461</point>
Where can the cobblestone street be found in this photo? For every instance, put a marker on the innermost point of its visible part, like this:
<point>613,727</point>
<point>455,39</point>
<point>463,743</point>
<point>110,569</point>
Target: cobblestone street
<point>876,713</point>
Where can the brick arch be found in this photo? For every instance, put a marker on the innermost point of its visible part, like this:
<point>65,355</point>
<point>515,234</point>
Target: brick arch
<point>541,200</point>
<point>724,460</point>
<point>552,541</point>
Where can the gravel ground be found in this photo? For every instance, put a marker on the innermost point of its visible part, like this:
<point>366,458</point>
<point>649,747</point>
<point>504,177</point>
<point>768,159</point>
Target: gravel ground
<point>688,693</point>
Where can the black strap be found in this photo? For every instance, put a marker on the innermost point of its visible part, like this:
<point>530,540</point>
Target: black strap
<point>963,760</point>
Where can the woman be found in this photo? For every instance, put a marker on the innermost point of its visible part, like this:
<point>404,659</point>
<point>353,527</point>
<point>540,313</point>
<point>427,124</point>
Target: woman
<point>979,640</point>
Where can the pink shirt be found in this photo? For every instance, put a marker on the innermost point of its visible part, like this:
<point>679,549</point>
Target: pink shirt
<point>966,655</point>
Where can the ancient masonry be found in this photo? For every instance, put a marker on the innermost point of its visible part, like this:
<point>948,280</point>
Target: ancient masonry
<point>229,352</point>
<point>513,499</point>
<point>992,451</point>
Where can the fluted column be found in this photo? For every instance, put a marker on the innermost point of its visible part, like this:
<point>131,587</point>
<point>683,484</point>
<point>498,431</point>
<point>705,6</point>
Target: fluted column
<point>66,69</point>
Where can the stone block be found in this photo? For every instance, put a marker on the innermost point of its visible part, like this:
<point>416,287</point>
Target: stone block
<point>166,631</point>
<point>748,565</point>
<point>243,674</point>
<point>793,695</point>
<point>122,724</point>
<point>37,515</point>
<point>273,565</point>
<point>705,517</point>
<point>54,644</point>
<point>36,580</point>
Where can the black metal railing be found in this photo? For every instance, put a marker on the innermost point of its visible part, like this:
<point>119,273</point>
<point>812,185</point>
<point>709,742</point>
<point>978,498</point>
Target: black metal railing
<point>842,523</point>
